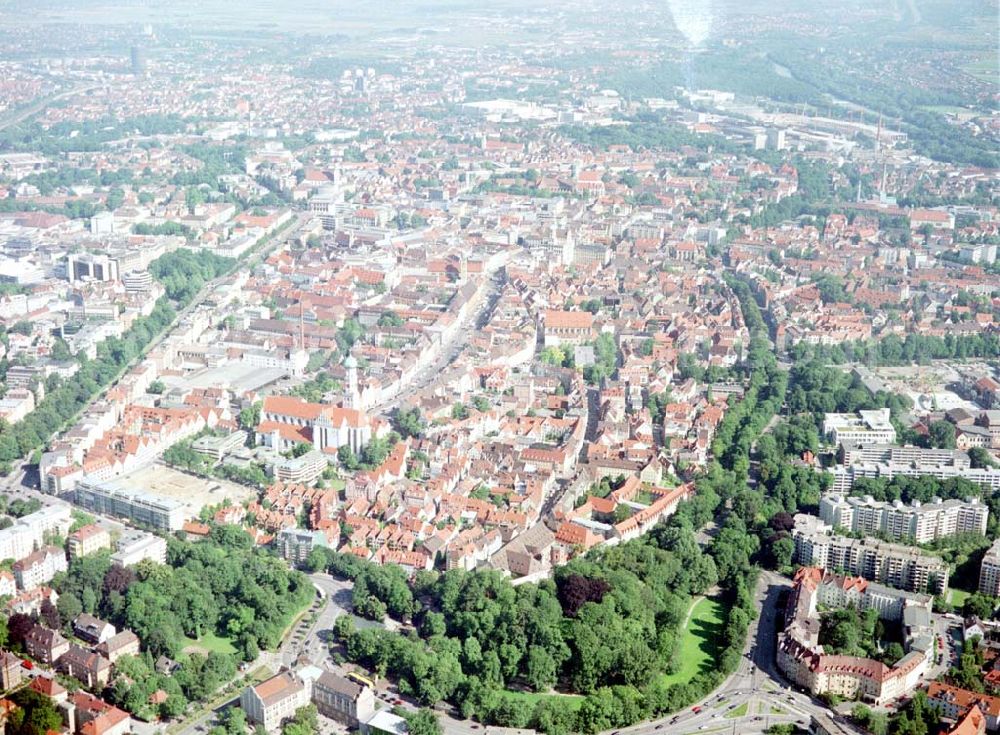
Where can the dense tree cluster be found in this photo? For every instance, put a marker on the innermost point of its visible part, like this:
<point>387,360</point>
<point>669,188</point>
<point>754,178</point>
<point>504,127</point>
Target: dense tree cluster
<point>221,585</point>
<point>86,135</point>
<point>893,350</point>
<point>183,272</point>
<point>818,388</point>
<point>36,714</point>
<point>136,680</point>
<point>606,626</point>
<point>409,422</point>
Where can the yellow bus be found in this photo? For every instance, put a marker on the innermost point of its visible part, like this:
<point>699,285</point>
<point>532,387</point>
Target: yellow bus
<point>360,679</point>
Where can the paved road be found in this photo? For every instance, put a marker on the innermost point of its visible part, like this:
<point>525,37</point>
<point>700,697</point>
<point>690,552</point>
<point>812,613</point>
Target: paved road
<point>26,475</point>
<point>451,349</point>
<point>754,697</point>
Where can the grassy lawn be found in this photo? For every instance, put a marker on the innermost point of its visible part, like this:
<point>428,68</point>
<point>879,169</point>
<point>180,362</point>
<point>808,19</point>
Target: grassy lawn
<point>958,597</point>
<point>740,711</point>
<point>645,497</point>
<point>211,642</point>
<point>700,645</point>
<point>531,699</point>
<point>337,483</point>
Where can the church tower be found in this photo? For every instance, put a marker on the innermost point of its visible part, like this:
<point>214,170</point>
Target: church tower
<point>352,398</point>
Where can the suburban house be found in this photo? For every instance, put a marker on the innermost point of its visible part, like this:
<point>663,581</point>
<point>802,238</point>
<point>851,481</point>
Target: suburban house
<point>45,645</point>
<point>125,643</point>
<point>91,629</point>
<point>89,668</point>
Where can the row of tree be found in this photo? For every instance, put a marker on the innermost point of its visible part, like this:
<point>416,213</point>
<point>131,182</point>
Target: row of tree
<point>892,350</point>
<point>182,273</point>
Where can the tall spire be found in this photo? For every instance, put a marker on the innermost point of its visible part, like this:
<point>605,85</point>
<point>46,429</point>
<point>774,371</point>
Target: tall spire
<point>302,326</point>
<point>352,398</point>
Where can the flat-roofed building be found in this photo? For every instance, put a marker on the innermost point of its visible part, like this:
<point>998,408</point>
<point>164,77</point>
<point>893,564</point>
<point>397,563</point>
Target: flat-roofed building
<point>916,522</point>
<point>862,428</point>
<point>989,571</point>
<point>135,546</point>
<point>148,509</point>
<point>904,567</point>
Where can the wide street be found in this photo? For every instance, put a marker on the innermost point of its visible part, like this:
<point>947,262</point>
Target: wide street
<point>452,347</point>
<point>754,697</point>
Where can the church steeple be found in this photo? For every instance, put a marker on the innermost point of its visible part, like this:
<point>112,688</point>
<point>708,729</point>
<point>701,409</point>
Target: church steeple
<point>352,398</point>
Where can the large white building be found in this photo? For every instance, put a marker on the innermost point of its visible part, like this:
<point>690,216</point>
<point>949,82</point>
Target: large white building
<point>27,534</point>
<point>889,460</point>
<point>286,422</point>
<point>862,428</point>
<point>136,546</point>
<point>989,572</point>
<point>156,511</point>
<point>918,522</point>
<point>904,567</point>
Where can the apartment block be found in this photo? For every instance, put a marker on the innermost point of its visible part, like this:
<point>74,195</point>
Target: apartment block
<point>989,572</point>
<point>954,703</point>
<point>39,567</point>
<point>802,659</point>
<point>295,545</point>
<point>87,540</point>
<point>28,533</point>
<point>135,546</point>
<point>888,461</point>
<point>896,565</point>
<point>917,522</point>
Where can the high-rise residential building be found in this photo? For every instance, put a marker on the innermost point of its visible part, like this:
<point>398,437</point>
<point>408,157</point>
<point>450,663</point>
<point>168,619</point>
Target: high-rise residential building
<point>889,460</point>
<point>989,572</point>
<point>138,58</point>
<point>917,522</point>
<point>904,567</point>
